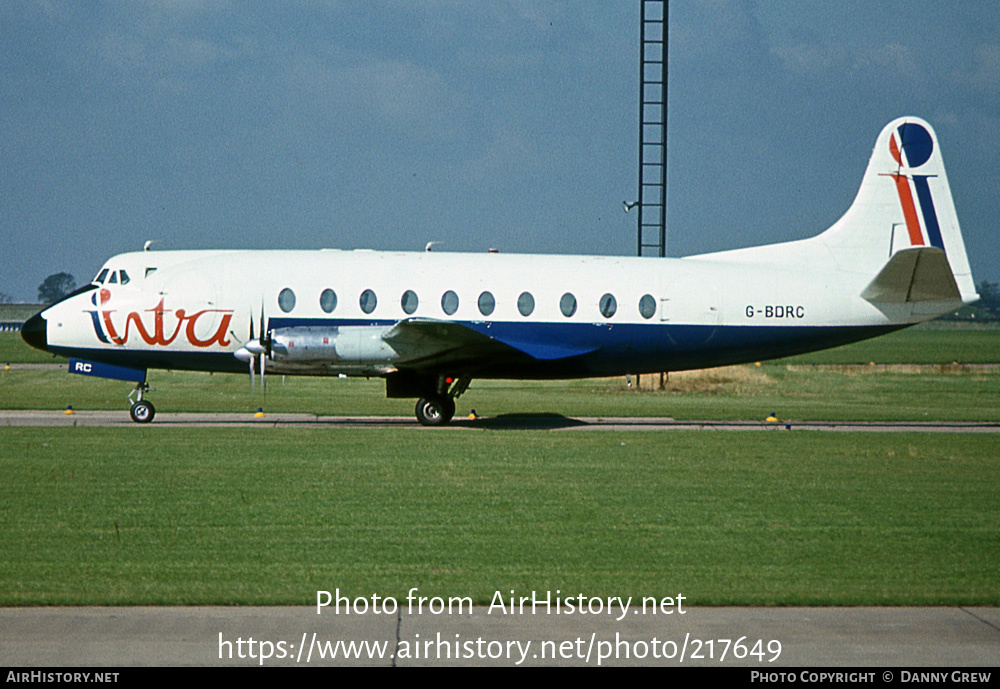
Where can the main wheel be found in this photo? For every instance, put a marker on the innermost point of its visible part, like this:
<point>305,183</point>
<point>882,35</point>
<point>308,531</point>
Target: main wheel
<point>142,411</point>
<point>434,410</point>
<point>449,408</point>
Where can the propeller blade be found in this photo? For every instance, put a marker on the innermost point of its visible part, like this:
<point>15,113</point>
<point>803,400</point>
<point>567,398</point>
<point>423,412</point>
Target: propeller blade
<point>265,346</point>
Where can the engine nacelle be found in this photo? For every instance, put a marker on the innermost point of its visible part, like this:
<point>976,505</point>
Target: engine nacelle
<point>353,344</point>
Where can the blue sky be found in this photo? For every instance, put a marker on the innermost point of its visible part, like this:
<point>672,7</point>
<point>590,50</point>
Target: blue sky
<point>508,124</point>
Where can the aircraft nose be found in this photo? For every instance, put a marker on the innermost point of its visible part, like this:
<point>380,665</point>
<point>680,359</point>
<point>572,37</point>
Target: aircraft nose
<point>34,332</point>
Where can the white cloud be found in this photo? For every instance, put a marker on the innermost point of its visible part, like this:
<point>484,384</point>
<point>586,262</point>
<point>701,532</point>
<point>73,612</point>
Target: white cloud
<point>809,58</point>
<point>985,75</point>
<point>894,58</point>
<point>411,100</point>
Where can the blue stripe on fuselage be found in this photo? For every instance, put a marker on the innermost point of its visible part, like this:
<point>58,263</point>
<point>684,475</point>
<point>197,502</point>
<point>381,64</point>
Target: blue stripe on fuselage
<point>636,347</point>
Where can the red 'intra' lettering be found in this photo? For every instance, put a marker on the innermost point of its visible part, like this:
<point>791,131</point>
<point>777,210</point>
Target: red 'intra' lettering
<point>158,336</point>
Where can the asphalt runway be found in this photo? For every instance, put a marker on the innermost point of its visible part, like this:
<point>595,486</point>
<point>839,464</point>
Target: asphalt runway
<point>553,422</point>
<point>219,636</point>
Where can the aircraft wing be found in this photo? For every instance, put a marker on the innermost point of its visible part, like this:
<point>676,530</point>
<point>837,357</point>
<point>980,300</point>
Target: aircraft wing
<point>425,343</point>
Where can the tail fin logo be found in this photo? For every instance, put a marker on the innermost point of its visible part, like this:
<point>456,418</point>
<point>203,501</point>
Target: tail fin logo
<point>911,146</point>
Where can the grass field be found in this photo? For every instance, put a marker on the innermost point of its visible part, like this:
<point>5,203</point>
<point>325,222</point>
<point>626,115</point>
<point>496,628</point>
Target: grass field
<point>157,515</point>
<point>18,312</point>
<point>746,392</point>
<point>268,516</point>
<point>929,343</point>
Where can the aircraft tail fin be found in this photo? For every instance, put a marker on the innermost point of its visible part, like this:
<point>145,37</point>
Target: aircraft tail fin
<point>902,226</point>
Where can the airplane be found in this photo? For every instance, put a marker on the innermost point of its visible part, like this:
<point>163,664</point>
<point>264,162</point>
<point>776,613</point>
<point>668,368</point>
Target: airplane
<point>431,322</point>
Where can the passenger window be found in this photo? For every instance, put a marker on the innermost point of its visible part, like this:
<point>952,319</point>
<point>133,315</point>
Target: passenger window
<point>150,271</point>
<point>525,303</point>
<point>647,306</point>
<point>286,300</point>
<point>125,277</point>
<point>449,302</point>
<point>328,300</point>
<point>486,303</point>
<point>368,301</point>
<point>410,301</point>
<point>608,306</point>
<point>567,305</point>
<point>101,276</point>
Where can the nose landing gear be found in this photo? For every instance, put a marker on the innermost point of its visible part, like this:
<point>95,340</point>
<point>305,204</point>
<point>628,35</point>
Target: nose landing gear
<point>142,411</point>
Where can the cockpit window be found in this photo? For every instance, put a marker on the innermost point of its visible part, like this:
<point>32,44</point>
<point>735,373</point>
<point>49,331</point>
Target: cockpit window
<point>101,276</point>
<point>113,280</point>
<point>124,276</point>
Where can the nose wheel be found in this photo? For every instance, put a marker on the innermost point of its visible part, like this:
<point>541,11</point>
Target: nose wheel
<point>141,411</point>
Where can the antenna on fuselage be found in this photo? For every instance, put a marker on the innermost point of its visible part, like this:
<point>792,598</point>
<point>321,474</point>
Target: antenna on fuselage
<point>431,245</point>
<point>148,244</point>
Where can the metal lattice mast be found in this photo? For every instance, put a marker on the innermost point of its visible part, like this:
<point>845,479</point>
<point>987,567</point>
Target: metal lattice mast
<point>653,55</point>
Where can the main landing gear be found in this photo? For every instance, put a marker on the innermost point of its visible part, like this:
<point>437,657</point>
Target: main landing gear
<point>438,408</point>
<point>141,411</point>
<point>435,410</point>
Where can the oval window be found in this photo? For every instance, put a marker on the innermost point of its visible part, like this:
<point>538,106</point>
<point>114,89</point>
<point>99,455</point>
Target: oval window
<point>449,302</point>
<point>487,303</point>
<point>410,301</point>
<point>368,301</point>
<point>567,305</point>
<point>525,303</point>
<point>608,306</point>
<point>286,300</point>
<point>328,300</point>
<point>647,306</point>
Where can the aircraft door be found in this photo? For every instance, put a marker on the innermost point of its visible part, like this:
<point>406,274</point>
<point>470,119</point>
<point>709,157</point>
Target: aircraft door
<point>691,308</point>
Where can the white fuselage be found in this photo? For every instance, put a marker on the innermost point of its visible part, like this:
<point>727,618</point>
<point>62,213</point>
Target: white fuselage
<point>698,309</point>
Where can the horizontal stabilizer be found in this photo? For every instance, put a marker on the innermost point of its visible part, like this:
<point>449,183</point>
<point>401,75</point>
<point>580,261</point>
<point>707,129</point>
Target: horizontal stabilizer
<point>912,275</point>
